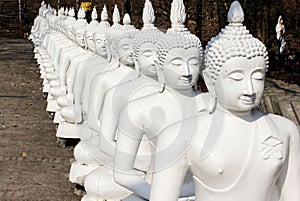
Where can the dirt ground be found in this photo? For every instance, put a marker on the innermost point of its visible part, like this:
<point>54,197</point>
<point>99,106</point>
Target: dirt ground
<point>32,166</point>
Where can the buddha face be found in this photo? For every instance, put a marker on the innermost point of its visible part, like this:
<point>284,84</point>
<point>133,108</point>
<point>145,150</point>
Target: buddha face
<point>146,59</point>
<point>181,68</point>
<point>90,41</point>
<point>100,45</point>
<point>125,52</point>
<point>239,86</point>
<point>80,37</point>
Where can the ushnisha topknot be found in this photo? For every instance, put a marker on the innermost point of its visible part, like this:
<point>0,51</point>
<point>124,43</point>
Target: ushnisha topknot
<point>233,41</point>
<point>178,35</point>
<point>149,33</point>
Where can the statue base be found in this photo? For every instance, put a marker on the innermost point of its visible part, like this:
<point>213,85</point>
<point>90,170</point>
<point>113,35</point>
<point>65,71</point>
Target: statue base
<point>52,106</point>
<point>78,172</point>
<point>67,130</point>
<point>57,117</point>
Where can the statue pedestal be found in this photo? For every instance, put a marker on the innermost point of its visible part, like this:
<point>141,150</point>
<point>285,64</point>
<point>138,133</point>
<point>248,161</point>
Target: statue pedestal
<point>78,172</point>
<point>67,130</point>
<point>57,117</point>
<point>52,106</point>
<point>100,185</point>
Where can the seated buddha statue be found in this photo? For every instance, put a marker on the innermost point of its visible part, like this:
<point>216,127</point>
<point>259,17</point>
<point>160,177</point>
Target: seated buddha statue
<point>95,64</point>
<point>122,73</point>
<point>180,56</point>
<point>234,152</point>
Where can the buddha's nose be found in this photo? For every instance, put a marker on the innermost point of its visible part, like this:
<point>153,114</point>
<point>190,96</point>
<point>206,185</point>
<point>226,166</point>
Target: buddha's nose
<point>185,70</point>
<point>248,88</point>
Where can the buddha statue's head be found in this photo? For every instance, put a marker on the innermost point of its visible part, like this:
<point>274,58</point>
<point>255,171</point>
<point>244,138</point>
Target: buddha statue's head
<point>99,34</point>
<point>235,65</point>
<point>122,43</point>
<point>51,19</point>
<point>45,10</point>
<point>144,43</point>
<point>80,36</point>
<point>70,33</point>
<point>58,19</point>
<point>114,31</point>
<point>90,29</point>
<point>69,20</point>
<point>180,53</point>
<point>94,16</point>
<point>79,29</point>
<point>69,25</point>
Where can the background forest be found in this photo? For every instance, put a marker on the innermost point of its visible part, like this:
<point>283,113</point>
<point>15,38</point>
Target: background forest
<point>205,18</point>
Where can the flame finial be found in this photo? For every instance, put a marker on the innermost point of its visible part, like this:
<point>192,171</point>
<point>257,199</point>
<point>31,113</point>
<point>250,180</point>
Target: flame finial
<point>81,14</point>
<point>71,12</point>
<point>66,11</point>
<point>178,15</point>
<point>148,13</point>
<point>235,13</point>
<point>94,14</point>
<point>104,15</point>
<point>126,19</point>
<point>116,15</point>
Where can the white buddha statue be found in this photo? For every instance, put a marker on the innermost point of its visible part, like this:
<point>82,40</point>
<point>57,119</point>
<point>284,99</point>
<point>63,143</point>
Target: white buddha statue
<point>41,26</point>
<point>118,96</point>
<point>113,63</point>
<point>122,52</point>
<point>36,24</point>
<point>280,33</point>
<point>53,44</point>
<point>69,59</point>
<point>60,48</point>
<point>84,162</point>
<point>234,152</point>
<point>56,44</point>
<point>66,54</point>
<point>123,72</point>
<point>180,56</point>
<point>95,64</point>
<point>93,67</point>
<point>90,80</point>
<point>144,53</point>
<point>92,75</point>
<point>66,102</point>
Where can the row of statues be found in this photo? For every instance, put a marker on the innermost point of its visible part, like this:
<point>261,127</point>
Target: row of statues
<point>146,132</point>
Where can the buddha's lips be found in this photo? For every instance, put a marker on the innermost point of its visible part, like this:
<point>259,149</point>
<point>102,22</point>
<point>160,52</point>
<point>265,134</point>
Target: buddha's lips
<point>247,99</point>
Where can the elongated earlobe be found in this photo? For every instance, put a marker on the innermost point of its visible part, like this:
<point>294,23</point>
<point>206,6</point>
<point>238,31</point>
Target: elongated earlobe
<point>136,65</point>
<point>211,89</point>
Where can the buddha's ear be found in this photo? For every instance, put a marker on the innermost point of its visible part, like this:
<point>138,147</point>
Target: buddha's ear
<point>159,70</point>
<point>109,55</point>
<point>136,65</point>
<point>211,89</point>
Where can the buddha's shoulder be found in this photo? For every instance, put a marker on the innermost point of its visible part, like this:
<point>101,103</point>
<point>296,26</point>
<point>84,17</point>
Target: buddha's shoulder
<point>283,124</point>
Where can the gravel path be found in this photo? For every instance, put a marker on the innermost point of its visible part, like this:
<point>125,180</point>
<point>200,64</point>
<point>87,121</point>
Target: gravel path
<point>33,167</point>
